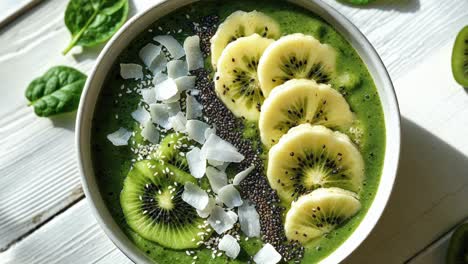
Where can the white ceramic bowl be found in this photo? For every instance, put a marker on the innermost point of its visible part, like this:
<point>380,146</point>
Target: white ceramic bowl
<point>140,22</point>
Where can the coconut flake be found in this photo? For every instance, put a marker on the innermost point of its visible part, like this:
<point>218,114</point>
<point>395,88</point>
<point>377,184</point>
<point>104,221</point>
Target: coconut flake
<point>215,163</point>
<point>205,212</point>
<point>229,245</point>
<point>173,99</point>
<point>172,45</point>
<point>217,179</point>
<point>196,130</point>
<point>148,95</point>
<point>194,108</point>
<point>160,115</point>
<point>218,149</point>
<point>159,63</point>
<point>178,122</point>
<point>221,221</point>
<point>176,69</point>
<point>159,77</point>
<point>141,115</point>
<point>166,89</point>
<point>150,132</point>
<point>194,91</point>
<point>120,137</point>
<point>223,166</point>
<point>241,175</point>
<point>230,196</point>
<point>267,255</point>
<point>149,53</point>
<point>173,108</point>
<point>185,83</point>
<point>195,196</point>
<point>249,219</point>
<point>193,53</point>
<point>210,131</point>
<point>131,71</point>
<point>196,163</point>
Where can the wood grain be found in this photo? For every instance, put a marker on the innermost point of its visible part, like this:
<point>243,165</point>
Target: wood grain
<point>436,252</point>
<point>72,237</point>
<point>11,9</point>
<point>431,189</point>
<point>407,32</point>
<point>39,178</point>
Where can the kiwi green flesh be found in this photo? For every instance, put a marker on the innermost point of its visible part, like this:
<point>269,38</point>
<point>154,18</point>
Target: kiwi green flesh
<point>261,30</point>
<point>457,252</point>
<point>297,67</point>
<point>298,112</point>
<point>460,58</point>
<point>171,147</point>
<point>313,169</point>
<point>325,219</point>
<point>153,207</point>
<point>244,83</point>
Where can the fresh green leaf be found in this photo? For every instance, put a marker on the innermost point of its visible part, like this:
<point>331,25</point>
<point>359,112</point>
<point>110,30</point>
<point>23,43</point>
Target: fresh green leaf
<point>92,22</point>
<point>57,91</point>
<point>358,2</point>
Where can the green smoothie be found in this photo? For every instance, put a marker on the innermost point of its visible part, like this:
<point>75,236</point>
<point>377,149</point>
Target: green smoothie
<point>119,98</point>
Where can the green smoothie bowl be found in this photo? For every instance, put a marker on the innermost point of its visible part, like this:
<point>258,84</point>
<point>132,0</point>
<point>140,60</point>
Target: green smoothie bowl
<point>238,132</point>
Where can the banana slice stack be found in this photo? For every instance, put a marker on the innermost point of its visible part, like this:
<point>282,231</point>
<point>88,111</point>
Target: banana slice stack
<point>284,84</point>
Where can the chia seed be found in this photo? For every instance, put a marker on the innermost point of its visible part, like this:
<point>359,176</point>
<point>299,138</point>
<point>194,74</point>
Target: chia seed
<point>205,30</point>
<point>255,186</point>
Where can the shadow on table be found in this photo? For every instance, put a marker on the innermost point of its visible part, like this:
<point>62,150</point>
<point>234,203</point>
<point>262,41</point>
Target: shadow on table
<point>403,6</point>
<point>66,121</point>
<point>427,167</point>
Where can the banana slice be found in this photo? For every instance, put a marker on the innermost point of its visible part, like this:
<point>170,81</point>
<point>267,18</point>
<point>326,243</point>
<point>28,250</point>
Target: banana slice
<point>241,24</point>
<point>236,81</point>
<point>319,212</point>
<point>311,157</point>
<point>296,56</point>
<point>302,101</point>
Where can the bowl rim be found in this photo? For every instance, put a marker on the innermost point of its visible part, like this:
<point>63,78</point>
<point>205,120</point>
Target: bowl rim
<point>347,29</point>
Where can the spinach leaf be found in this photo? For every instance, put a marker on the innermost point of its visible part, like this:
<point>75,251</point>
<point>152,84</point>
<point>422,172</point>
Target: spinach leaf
<point>92,22</point>
<point>57,91</point>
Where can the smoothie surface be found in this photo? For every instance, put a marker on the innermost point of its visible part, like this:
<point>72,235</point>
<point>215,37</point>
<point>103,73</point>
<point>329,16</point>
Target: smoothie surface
<point>118,99</point>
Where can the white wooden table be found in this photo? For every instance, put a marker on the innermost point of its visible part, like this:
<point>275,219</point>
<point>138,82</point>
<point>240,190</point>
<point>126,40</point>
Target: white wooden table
<point>44,216</point>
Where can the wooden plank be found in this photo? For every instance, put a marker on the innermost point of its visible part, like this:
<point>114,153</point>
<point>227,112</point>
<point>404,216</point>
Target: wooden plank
<point>38,170</point>
<point>431,189</point>
<point>11,9</point>
<point>436,252</point>
<point>72,237</point>
<point>406,32</point>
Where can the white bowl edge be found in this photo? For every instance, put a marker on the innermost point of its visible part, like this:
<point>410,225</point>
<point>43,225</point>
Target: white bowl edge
<point>140,22</point>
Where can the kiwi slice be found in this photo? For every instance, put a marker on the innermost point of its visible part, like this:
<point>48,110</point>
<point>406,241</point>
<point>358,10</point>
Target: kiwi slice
<point>458,246</point>
<point>172,150</point>
<point>318,213</point>
<point>152,204</point>
<point>301,101</point>
<point>296,56</point>
<point>460,58</point>
<point>311,157</point>
<point>236,81</point>
<point>242,24</point>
